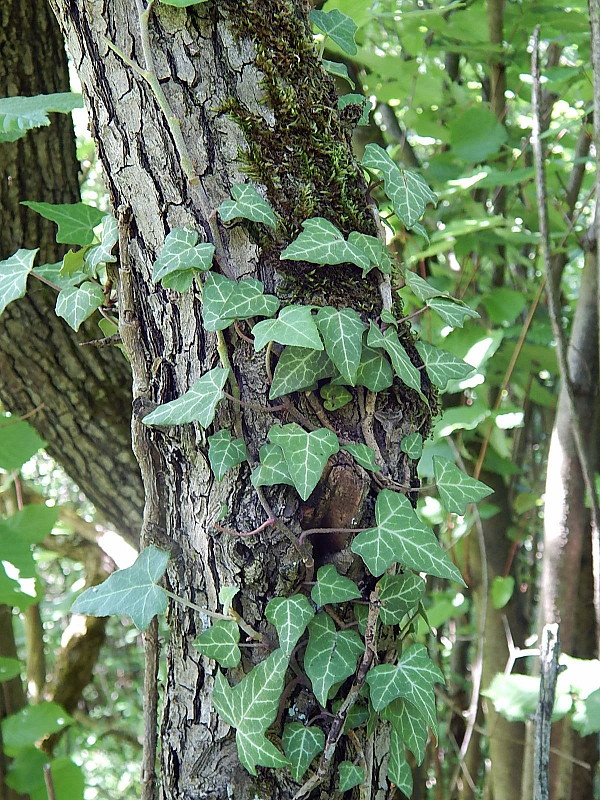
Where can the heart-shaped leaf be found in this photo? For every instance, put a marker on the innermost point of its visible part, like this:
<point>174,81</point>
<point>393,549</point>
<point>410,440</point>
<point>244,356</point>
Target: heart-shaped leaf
<point>363,455</point>
<point>412,445</point>
<point>420,287</point>
<point>331,587</point>
<point>403,366</point>
<point>76,303</point>
<point>335,397</point>
<point>330,655</point>
<point>224,453</point>
<point>340,27</point>
<point>338,69</point>
<point>290,616</point>
<point>198,404</point>
<point>351,775</point>
<point>399,594</point>
<point>342,333</point>
<point>13,276</point>
<point>295,325</point>
<point>452,312</point>
<point>247,204</point>
<point>272,469</point>
<point>305,453</point>
<point>456,489</point>
<point>322,243</point>
<point>301,745</point>
<point>220,642</point>
<point>374,371</point>
<point>181,259</point>
<point>443,366</point>
<point>76,221</point>
<point>299,368</point>
<point>375,250</point>
<point>224,300</point>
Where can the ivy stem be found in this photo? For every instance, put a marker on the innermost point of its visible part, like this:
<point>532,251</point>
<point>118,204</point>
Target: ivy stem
<point>195,607</point>
<point>268,352</point>
<point>235,389</point>
<point>231,532</point>
<point>14,420</point>
<point>240,333</point>
<point>254,406</point>
<point>46,281</point>
<point>311,531</point>
<point>413,314</point>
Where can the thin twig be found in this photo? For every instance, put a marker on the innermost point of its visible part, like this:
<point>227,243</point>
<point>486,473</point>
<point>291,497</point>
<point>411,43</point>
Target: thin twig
<point>231,532</point>
<point>48,780</point>
<point>151,649</point>
<point>14,420</point>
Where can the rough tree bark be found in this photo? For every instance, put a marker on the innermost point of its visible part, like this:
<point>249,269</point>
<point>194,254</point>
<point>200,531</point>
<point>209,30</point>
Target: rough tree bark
<point>240,76</point>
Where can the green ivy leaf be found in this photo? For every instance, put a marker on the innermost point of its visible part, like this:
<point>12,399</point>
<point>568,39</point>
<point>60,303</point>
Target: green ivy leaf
<point>21,114</point>
<point>351,775</point>
<point>247,204</point>
<point>375,250</point>
<point>421,288</point>
<point>359,100</point>
<point>224,453</point>
<point>18,443</point>
<point>76,221</point>
<point>250,707</point>
<point>399,771</point>
<point>374,371</point>
<point>224,300</point>
<point>331,587</point>
<point>33,722</point>
<point>220,642</point>
<point>272,468</point>
<point>72,263</point>
<point>76,303</point>
<point>13,276</point>
<point>102,253</point>
<point>9,668</point>
<point>407,190</point>
<point>406,721</point>
<point>321,243</point>
<point>502,590</point>
<point>338,69</point>
<point>330,655</point>
<point>399,594</point>
<point>412,445</point>
<point>198,404</point>
<point>403,366</point>
<point>305,453</point>
<point>299,368</point>
<point>32,523</point>
<point>340,27</point>
<point>456,489</point>
<point>363,455</point>
<point>181,259</point>
<point>412,678</point>
<point>401,536</point>
<point>295,325</point>
<point>387,317</point>
<point>290,616</point>
<point>452,312</point>
<point>335,397</point>
<point>132,591</point>
<point>301,745</point>
<point>342,333</point>
<point>443,366</point>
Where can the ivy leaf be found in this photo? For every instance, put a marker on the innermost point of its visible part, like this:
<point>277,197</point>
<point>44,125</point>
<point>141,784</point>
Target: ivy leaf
<point>340,27</point>
<point>342,333</point>
<point>247,204</point>
<point>220,642</point>
<point>132,591</point>
<point>76,303</point>
<point>301,745</point>
<point>272,468</point>
<point>31,723</point>
<point>198,404</point>
<point>401,536</point>
<point>18,442</point>
<point>224,453</point>
<point>351,775</point>
<point>250,707</point>
<point>456,488</point>
<point>226,597</point>
<point>73,261</point>
<point>290,616</point>
<point>420,288</point>
<point>407,190</point>
<point>305,453</point>
<point>18,115</point>
<point>321,243</point>
<point>399,594</point>
<point>399,771</point>
<point>224,300</point>
<point>452,312</point>
<point>403,366</point>
<point>299,368</point>
<point>412,678</point>
<point>330,655</point>
<point>331,587</point>
<point>76,221</point>
<point>181,259</point>
<point>412,445</point>
<point>407,723</point>
<point>375,249</point>
<point>443,366</point>
<point>335,397</point>
<point>13,276</point>
<point>295,325</point>
<point>502,590</point>
<point>338,69</point>
<point>9,668</point>
<point>374,371</point>
<point>363,455</point>
<point>102,253</point>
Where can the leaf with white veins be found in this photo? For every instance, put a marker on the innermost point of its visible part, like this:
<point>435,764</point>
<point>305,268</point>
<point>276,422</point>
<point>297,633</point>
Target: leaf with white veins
<point>295,325</point>
<point>198,404</point>
<point>224,453</point>
<point>248,204</point>
<point>220,642</point>
<point>13,276</point>
<point>456,488</point>
<point>342,333</point>
<point>290,616</point>
<point>301,745</point>
<point>331,587</point>
<point>330,655</point>
<point>299,368</point>
<point>305,453</point>
<point>76,303</point>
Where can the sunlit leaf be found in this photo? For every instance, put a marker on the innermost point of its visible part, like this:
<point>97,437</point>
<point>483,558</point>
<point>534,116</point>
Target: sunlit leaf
<point>456,488</point>
<point>502,590</point>
<point>224,300</point>
<point>340,27</point>
<point>32,722</point>
<point>76,303</point>
<point>76,221</point>
<point>18,115</point>
<point>198,404</point>
<point>442,366</point>
<point>9,668</point>
<point>102,253</point>
<point>181,259</point>
<point>13,276</point>
<point>220,642</point>
<point>18,443</point>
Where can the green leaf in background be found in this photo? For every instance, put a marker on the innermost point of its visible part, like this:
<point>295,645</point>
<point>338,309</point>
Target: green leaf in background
<point>456,489</point>
<point>407,190</point>
<point>412,445</point>
<point>220,642</point>
<point>442,366</point>
<point>342,333</point>
<point>330,655</point>
<point>407,723</point>
<point>338,69</point>
<point>476,134</point>
<point>102,253</point>
<point>502,590</point>
<point>72,263</point>
<point>351,775</point>
<point>375,249</point>
<point>272,468</point>
<point>247,204</point>
<point>31,723</point>
<point>76,303</point>
<point>305,453</point>
<point>321,243</point>
<point>13,276</point>
<point>586,717</point>
<point>198,404</point>
<point>295,325</point>
<point>26,775</point>
<point>250,707</point>
<point>299,368</point>
<point>334,397</point>
<point>363,455</point>
<point>132,592</point>
<point>399,771</point>
<point>374,371</point>
<point>452,312</point>
<point>9,668</point>
<point>403,366</point>
<point>514,696</point>
<point>331,587</point>
<point>18,115</point>
<point>224,300</point>
<point>76,221</point>
<point>224,453</point>
<point>401,536</point>
<point>340,27</point>
<point>290,616</point>
<point>419,287</point>
<point>359,100</point>
<point>18,443</point>
<point>32,523</point>
<point>301,745</point>
<point>181,259</point>
<point>399,594</point>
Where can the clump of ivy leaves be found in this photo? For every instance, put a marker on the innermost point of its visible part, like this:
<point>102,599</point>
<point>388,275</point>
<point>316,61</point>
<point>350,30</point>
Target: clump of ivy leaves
<point>336,350</point>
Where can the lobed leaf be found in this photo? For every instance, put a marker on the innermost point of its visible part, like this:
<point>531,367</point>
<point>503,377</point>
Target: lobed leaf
<point>331,587</point>
<point>375,249</point>
<point>299,368</point>
<point>351,775</point>
<point>76,221</point>
<point>442,366</point>
<point>13,276</point>
<point>452,312</point>
<point>403,366</point>
<point>248,204</point>
<point>456,488</point>
<point>301,745</point>
<point>220,642</point>
<point>290,616</point>
<point>399,594</point>
<point>342,333</point>
<point>295,325</point>
<point>340,27</point>
<point>76,303</point>
<point>102,253</point>
<point>330,655</point>
<point>374,371</point>
<point>224,453</point>
<point>305,453</point>
<point>321,243</point>
<point>181,259</point>
<point>421,288</point>
<point>338,69</point>
<point>272,468</point>
<point>224,300</point>
<point>18,115</point>
<point>198,404</point>
<point>407,723</point>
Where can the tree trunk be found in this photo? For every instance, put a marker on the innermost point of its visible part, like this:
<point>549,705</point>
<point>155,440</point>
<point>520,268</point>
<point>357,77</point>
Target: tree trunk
<point>255,63</point>
<point>84,390</point>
